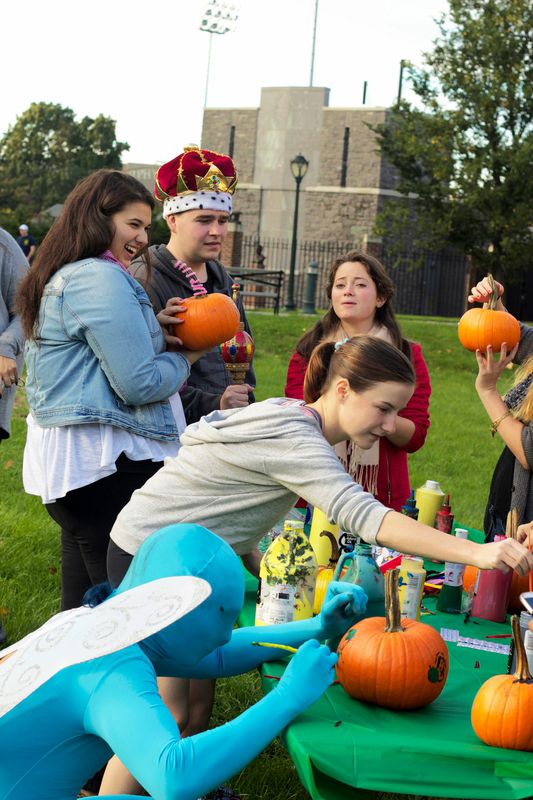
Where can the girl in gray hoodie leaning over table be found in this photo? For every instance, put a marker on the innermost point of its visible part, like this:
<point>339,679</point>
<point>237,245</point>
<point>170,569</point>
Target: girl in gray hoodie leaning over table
<point>239,471</point>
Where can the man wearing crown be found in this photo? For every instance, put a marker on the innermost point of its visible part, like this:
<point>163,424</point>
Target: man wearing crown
<point>197,191</point>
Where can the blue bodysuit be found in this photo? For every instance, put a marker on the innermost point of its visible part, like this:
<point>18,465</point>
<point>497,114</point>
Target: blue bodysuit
<point>65,730</point>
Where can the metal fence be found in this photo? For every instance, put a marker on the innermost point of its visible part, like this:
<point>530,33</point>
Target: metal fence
<point>427,283</point>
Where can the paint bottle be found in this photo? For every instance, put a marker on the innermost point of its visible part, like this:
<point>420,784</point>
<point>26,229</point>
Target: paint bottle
<point>359,567</point>
<point>449,599</point>
<point>410,509</point>
<point>321,544</point>
<point>444,518</point>
<point>492,593</point>
<point>411,586</point>
<point>429,499</point>
<point>287,578</point>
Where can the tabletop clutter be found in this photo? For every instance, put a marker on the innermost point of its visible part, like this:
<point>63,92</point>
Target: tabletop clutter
<point>305,552</point>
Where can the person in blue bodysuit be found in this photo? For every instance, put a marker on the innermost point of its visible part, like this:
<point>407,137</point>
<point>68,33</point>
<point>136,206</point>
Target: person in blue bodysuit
<point>85,684</point>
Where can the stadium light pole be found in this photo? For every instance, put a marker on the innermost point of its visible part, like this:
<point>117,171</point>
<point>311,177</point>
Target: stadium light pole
<point>218,17</point>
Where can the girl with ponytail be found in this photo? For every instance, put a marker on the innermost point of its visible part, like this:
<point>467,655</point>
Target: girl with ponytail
<point>239,471</point>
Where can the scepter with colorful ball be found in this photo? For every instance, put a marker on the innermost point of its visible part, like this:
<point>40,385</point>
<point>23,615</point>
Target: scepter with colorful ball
<point>238,351</point>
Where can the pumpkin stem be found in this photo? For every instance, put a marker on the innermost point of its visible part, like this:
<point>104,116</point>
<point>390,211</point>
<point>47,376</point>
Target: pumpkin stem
<point>522,673</point>
<point>494,296</point>
<point>335,552</point>
<point>512,524</point>
<point>392,602</point>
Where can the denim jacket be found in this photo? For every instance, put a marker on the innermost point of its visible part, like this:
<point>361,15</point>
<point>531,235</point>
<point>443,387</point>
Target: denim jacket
<point>99,354</point>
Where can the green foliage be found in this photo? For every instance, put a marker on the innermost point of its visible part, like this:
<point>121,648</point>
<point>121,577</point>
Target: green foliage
<point>466,152</point>
<point>45,153</point>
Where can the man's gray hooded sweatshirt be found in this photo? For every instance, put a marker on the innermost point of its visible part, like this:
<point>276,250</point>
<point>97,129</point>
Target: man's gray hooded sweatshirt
<point>209,377</point>
<point>240,471</point>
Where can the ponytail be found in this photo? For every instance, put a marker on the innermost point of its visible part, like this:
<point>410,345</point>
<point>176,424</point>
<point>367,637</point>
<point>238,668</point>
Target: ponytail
<point>363,360</point>
<point>318,370</point>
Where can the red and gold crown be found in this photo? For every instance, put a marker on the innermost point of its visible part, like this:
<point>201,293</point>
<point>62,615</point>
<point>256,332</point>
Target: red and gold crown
<point>196,179</point>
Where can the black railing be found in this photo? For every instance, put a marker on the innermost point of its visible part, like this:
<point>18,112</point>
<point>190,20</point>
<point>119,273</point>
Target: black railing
<point>427,282</point>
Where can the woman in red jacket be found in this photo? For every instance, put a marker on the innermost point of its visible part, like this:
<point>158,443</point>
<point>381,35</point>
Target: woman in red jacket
<point>360,292</point>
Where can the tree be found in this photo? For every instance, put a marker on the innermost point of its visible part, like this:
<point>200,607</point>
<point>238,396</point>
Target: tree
<point>466,151</point>
<point>46,152</point>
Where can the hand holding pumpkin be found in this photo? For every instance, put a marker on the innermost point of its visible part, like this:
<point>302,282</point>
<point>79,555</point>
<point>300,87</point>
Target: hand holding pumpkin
<point>491,369</point>
<point>168,319</point>
<point>342,607</point>
<point>483,291</point>
<point>310,672</point>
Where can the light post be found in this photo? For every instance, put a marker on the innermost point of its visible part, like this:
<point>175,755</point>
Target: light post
<point>218,17</point>
<point>299,167</point>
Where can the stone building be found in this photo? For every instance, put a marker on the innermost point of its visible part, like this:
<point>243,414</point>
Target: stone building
<point>347,181</point>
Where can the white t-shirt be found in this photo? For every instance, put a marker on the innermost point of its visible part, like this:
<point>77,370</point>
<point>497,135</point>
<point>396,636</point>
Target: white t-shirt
<point>60,459</point>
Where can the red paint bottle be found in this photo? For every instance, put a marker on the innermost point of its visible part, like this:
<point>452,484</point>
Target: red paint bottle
<point>444,519</point>
<point>492,593</point>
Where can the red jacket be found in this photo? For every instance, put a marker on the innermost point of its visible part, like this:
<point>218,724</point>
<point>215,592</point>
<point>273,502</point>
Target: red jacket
<point>394,486</point>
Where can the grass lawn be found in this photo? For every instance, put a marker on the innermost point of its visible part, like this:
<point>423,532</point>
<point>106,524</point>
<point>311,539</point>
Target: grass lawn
<point>459,452</point>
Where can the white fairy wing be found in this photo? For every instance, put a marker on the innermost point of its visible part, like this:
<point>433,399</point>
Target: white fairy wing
<point>81,634</point>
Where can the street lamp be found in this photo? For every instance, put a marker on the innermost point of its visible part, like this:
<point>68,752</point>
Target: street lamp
<point>218,17</point>
<point>299,167</point>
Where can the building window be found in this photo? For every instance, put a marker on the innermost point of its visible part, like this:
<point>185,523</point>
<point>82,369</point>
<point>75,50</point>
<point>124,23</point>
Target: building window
<point>231,141</point>
<point>345,150</point>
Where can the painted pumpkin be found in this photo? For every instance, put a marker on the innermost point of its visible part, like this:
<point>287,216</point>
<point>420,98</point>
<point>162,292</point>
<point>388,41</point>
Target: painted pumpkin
<point>325,573</point>
<point>393,662</point>
<point>481,327</point>
<point>209,320</point>
<point>502,712</point>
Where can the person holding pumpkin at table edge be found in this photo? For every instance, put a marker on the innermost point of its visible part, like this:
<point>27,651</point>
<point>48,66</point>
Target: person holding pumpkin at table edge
<point>239,471</point>
<point>361,292</point>
<point>511,417</point>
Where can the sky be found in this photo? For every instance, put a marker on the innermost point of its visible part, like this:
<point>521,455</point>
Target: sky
<point>144,64</point>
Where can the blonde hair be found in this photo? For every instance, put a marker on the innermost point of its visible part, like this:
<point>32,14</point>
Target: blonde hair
<point>524,412</point>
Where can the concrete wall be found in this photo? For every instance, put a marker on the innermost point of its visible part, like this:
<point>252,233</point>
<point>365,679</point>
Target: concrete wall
<point>216,136</point>
<point>292,120</point>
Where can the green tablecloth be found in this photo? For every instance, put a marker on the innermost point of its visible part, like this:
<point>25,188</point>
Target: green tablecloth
<point>342,748</point>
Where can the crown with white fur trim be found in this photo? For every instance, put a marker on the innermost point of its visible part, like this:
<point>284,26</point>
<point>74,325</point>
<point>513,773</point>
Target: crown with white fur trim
<point>196,179</point>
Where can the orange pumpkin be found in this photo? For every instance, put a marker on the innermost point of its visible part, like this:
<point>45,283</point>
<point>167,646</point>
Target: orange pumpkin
<point>470,578</point>
<point>393,662</point>
<point>481,327</point>
<point>209,320</point>
<point>502,712</point>
<point>325,573</point>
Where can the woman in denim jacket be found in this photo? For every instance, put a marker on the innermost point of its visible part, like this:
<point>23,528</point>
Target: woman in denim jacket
<point>101,371</point>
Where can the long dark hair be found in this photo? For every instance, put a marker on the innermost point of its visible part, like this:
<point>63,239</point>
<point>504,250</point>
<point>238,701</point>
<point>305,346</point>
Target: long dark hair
<point>363,360</point>
<point>83,229</point>
<point>384,315</point>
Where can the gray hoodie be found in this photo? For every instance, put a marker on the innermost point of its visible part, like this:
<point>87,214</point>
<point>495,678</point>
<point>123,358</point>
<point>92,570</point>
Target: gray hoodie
<point>239,471</point>
<point>13,266</point>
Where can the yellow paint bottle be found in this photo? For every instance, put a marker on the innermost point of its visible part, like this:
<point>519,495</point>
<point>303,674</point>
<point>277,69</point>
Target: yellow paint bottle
<point>411,586</point>
<point>321,544</point>
<point>287,578</point>
<point>429,499</point>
